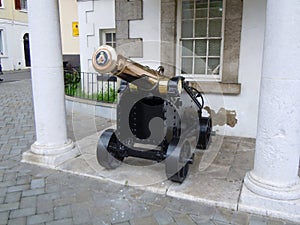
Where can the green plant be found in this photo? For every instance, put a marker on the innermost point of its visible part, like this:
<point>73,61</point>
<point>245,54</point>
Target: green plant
<point>109,95</point>
<point>71,79</point>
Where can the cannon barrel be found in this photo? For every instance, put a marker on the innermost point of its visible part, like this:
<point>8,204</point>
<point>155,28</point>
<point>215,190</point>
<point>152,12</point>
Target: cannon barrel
<point>106,60</point>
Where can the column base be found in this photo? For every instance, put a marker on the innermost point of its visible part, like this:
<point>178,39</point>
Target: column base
<point>266,200</point>
<point>67,152</point>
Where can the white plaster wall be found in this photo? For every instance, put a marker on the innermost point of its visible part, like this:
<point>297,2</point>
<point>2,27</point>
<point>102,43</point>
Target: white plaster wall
<point>93,15</point>
<point>13,58</point>
<point>252,40</point>
<point>251,53</point>
<point>149,30</point>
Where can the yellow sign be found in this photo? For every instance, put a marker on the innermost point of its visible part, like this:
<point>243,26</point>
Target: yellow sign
<point>75,28</point>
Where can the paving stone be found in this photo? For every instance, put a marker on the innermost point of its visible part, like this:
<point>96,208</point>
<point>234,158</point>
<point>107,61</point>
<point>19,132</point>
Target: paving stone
<point>22,212</point>
<point>12,197</point>
<point>150,220</point>
<point>60,222</point>
<point>18,188</point>
<point>44,205</point>
<point>62,198</point>
<point>123,223</point>
<point>17,221</point>
<point>3,217</point>
<point>80,214</point>
<point>239,218</point>
<point>52,188</point>
<point>223,215</point>
<point>163,217</point>
<point>203,219</point>
<point>62,212</point>
<point>257,220</point>
<point>37,183</point>
<point>275,222</point>
<point>9,206</point>
<point>184,220</point>
<point>28,202</point>
<point>3,191</point>
<point>40,218</point>
<point>33,192</point>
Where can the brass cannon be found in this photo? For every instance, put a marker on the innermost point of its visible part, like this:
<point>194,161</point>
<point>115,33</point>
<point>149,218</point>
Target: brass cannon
<point>158,118</point>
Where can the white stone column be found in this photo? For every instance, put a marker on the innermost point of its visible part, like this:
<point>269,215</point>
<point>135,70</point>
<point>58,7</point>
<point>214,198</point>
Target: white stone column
<point>52,146</point>
<point>273,186</point>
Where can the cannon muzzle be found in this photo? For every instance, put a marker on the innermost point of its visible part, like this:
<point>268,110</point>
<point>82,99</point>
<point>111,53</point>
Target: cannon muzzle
<point>106,60</point>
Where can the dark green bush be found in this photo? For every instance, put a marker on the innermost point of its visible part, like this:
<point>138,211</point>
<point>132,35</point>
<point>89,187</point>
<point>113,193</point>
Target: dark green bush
<point>72,80</point>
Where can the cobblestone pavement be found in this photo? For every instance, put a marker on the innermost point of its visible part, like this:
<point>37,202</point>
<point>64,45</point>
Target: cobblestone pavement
<point>33,195</point>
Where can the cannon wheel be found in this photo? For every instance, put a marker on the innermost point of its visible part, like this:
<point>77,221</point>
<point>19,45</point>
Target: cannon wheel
<point>105,156</point>
<point>205,132</point>
<point>177,161</point>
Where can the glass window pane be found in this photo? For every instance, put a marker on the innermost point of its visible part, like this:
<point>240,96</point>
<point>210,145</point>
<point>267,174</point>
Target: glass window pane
<point>201,4</point>
<point>215,28</point>
<point>201,13</point>
<point>216,8</point>
<point>188,14</point>
<point>187,4</point>
<point>200,64</point>
<point>186,65</point>
<point>200,28</point>
<point>108,37</point>
<point>200,47</point>
<point>213,66</point>
<point>187,29</point>
<point>187,48</point>
<point>114,36</point>
<point>214,47</point>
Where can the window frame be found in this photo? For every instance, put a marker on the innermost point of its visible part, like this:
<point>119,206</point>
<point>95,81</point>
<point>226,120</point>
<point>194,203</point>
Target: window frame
<point>23,3</point>
<point>20,5</point>
<point>179,39</point>
<point>102,35</point>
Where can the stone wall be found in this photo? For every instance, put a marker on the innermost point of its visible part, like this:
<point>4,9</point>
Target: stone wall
<point>126,11</point>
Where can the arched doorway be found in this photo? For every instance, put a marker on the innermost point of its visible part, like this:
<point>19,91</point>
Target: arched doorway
<point>26,50</point>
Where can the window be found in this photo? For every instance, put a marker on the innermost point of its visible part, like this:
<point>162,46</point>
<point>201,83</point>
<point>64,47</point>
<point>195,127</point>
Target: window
<point>24,4</point>
<point>21,4</point>
<point>1,5</point>
<point>108,37</point>
<point>2,50</point>
<point>201,38</point>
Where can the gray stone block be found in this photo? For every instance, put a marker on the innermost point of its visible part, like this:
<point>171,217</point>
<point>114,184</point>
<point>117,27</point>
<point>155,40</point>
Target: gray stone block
<point>12,197</point>
<point>17,221</point>
<point>62,212</point>
<point>37,183</point>
<point>18,188</point>
<point>60,222</point>
<point>33,192</point>
<point>9,206</point>
<point>40,218</point>
<point>3,217</point>
<point>22,212</point>
<point>163,217</point>
<point>28,202</point>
